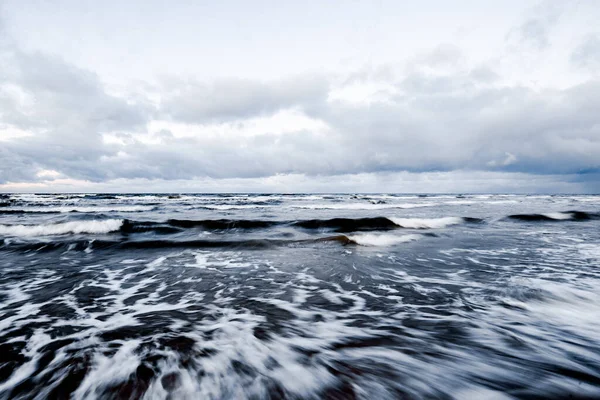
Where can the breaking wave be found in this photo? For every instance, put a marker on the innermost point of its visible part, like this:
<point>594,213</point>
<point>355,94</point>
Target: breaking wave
<point>75,227</point>
<point>221,224</point>
<point>173,226</point>
<point>371,239</point>
<point>556,216</point>
<point>245,244</point>
<point>74,209</point>
<point>347,224</point>
<point>431,223</point>
<point>362,206</point>
<point>341,225</point>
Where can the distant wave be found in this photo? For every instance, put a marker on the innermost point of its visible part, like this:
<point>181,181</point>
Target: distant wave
<point>75,227</point>
<point>222,223</point>
<point>361,206</point>
<point>224,207</point>
<point>69,209</point>
<point>372,239</point>
<point>556,216</point>
<point>129,226</point>
<point>172,226</point>
<point>347,224</point>
<point>19,211</point>
<point>341,225</point>
<point>100,196</point>
<point>431,223</point>
<point>177,225</point>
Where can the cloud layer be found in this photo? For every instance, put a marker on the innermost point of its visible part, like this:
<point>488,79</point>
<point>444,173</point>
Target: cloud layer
<point>435,114</point>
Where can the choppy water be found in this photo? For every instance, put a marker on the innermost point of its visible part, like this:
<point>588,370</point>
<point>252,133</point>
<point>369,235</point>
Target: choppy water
<point>299,296</point>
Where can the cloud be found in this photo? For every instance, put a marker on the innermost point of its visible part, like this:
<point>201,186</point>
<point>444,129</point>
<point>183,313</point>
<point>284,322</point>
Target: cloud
<point>537,28</point>
<point>453,121</point>
<point>232,99</point>
<point>401,182</point>
<point>510,159</point>
<point>64,109</point>
<point>430,120</point>
<point>587,54</point>
<point>438,120</point>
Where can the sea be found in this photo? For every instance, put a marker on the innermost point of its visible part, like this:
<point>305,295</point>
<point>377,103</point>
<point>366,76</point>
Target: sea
<point>299,296</point>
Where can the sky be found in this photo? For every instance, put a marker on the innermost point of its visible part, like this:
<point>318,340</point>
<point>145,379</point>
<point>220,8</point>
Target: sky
<point>290,96</point>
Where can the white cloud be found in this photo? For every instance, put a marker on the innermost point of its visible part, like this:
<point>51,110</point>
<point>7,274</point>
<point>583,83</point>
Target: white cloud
<point>404,182</point>
<point>444,107</point>
<point>48,174</point>
<point>510,159</point>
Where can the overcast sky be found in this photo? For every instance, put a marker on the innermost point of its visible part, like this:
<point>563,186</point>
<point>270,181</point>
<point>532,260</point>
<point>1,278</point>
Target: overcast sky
<point>282,96</point>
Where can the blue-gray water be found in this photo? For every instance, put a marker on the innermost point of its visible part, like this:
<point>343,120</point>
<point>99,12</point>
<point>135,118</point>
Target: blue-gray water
<point>299,296</point>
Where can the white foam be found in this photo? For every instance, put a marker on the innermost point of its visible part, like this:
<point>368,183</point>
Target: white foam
<point>427,223</point>
<point>589,199</point>
<point>210,260</point>
<point>559,216</point>
<point>371,239</point>
<point>360,206</point>
<point>460,202</point>
<point>109,370</point>
<point>235,207</point>
<point>88,209</point>
<point>590,250</point>
<point>36,341</point>
<point>94,226</point>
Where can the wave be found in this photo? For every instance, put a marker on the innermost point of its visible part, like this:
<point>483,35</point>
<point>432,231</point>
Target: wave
<point>88,245</point>
<point>341,225</point>
<point>360,206</point>
<point>129,226</point>
<point>100,196</point>
<point>371,239</point>
<point>196,244</point>
<point>222,223</point>
<point>556,216</point>
<point>70,209</point>
<point>335,224</point>
<point>225,207</point>
<point>347,224</point>
<point>75,227</point>
<point>17,211</point>
<point>360,239</point>
<point>248,244</point>
<point>177,225</point>
<point>432,223</point>
<point>173,226</point>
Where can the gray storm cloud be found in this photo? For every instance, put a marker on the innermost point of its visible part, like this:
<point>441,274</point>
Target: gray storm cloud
<point>437,112</point>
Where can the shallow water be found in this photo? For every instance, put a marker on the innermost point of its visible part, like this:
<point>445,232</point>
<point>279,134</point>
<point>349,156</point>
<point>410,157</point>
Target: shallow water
<point>299,296</point>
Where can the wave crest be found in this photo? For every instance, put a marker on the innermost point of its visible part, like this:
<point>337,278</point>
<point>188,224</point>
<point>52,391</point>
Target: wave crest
<point>555,216</point>
<point>371,239</point>
<point>94,226</point>
<point>430,223</point>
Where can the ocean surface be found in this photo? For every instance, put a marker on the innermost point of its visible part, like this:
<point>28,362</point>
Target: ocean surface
<point>299,296</point>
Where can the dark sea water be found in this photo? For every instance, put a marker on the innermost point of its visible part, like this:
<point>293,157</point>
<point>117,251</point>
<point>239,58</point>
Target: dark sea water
<point>299,296</point>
